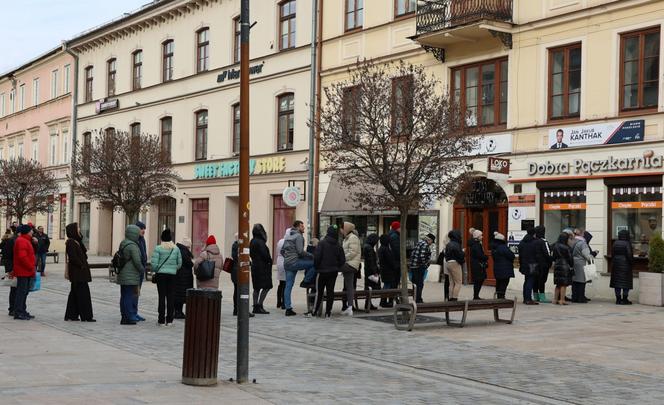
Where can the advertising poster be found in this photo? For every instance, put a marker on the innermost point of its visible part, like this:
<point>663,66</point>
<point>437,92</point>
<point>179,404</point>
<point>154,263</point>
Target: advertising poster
<point>596,134</point>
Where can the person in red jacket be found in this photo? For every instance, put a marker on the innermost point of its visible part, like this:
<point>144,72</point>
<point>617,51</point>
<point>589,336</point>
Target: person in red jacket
<point>24,270</point>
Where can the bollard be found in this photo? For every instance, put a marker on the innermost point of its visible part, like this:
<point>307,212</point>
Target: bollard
<point>201,337</point>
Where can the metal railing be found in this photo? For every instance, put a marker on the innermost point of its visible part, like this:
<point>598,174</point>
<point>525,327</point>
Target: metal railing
<point>435,15</point>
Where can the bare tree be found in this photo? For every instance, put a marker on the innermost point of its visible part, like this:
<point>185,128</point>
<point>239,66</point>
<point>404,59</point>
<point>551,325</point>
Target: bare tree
<point>26,188</point>
<point>123,171</point>
<point>395,140</point>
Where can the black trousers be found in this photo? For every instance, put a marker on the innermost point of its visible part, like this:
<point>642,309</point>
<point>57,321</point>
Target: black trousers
<point>477,286</point>
<point>79,303</point>
<point>22,290</point>
<point>418,280</point>
<point>501,287</point>
<point>235,292</point>
<point>166,291</point>
<point>540,282</point>
<point>12,298</point>
<point>280,294</point>
<point>325,285</point>
<point>446,287</point>
<point>578,292</point>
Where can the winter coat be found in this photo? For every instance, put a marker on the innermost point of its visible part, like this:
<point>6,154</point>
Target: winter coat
<point>144,250</point>
<point>503,260</point>
<point>369,254</point>
<point>210,252</point>
<point>261,260</point>
<point>453,249</point>
<point>621,263</point>
<point>235,255</point>
<point>43,243</point>
<point>24,257</point>
<point>421,256</point>
<point>166,259</point>
<point>478,260</point>
<point>527,254</point>
<point>542,251</point>
<point>8,253</point>
<point>581,256</point>
<point>389,273</point>
<point>184,278</point>
<point>130,273</point>
<point>77,259</point>
<point>563,264</point>
<point>353,250</point>
<point>281,270</point>
<point>395,245</point>
<point>329,256</point>
<point>293,249</point>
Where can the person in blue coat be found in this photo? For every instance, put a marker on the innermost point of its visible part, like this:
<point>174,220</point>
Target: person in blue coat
<point>503,264</point>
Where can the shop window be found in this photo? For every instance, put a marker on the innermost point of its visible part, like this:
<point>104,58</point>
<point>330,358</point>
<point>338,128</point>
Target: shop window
<point>563,209</point>
<point>639,69</point>
<point>481,90</point>
<point>639,211</point>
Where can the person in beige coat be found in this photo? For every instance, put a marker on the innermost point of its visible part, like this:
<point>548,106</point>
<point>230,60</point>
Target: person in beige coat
<point>353,252</point>
<point>210,252</point>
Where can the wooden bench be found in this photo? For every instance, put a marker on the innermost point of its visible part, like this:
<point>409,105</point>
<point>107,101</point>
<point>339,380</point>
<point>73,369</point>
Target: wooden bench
<point>367,295</point>
<point>55,255</point>
<point>409,311</point>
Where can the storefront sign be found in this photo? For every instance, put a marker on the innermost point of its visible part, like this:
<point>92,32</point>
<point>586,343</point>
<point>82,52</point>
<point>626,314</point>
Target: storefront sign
<point>106,105</point>
<point>498,168</point>
<point>611,164</point>
<point>636,204</point>
<point>493,144</point>
<point>564,206</point>
<point>597,134</point>
<point>483,193</point>
<point>292,196</point>
<point>229,169</point>
<point>234,74</point>
<point>522,200</point>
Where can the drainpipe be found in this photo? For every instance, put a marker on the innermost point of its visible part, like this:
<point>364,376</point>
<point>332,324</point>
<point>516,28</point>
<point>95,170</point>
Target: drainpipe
<point>74,129</point>
<point>311,208</point>
<point>319,60</point>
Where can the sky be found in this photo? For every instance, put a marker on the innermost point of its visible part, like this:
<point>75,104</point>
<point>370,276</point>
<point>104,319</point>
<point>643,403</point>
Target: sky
<point>30,28</point>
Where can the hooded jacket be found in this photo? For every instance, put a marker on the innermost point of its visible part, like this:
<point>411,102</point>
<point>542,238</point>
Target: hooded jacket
<point>621,263</point>
<point>293,248</point>
<point>166,258</point>
<point>329,256</point>
<point>388,271</point>
<point>581,256</point>
<point>503,260</point>
<point>77,259</point>
<point>261,260</point>
<point>24,257</point>
<point>453,249</point>
<point>131,272</point>
<point>562,262</point>
<point>542,250</point>
<point>395,243</point>
<point>352,246</point>
<point>527,252</point>
<point>369,253</point>
<point>210,252</point>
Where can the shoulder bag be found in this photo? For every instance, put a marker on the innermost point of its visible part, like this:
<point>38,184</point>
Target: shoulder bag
<point>205,270</point>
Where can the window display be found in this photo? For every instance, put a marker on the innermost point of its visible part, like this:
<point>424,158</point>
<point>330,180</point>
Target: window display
<point>563,209</point>
<point>639,211</point>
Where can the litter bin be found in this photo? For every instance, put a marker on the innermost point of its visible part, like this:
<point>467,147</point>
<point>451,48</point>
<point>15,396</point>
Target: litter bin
<point>201,337</point>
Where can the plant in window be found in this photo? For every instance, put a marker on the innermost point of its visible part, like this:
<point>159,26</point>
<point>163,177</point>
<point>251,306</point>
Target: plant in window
<point>656,255</point>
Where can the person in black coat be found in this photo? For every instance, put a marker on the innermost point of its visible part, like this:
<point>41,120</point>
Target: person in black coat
<point>621,269</point>
<point>79,303</point>
<point>528,266</point>
<point>503,264</point>
<point>329,257</point>
<point>563,268</point>
<point>455,258</point>
<point>184,278</point>
<point>478,263</point>
<point>389,272</point>
<point>261,267</point>
<point>371,266</point>
<point>544,261</point>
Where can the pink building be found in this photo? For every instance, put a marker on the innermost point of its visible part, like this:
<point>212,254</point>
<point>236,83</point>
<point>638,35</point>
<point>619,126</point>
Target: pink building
<point>35,122</point>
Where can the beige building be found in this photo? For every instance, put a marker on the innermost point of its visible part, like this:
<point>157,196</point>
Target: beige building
<point>567,91</point>
<point>171,68</point>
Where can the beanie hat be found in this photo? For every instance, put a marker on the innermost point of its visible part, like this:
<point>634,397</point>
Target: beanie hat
<point>431,237</point>
<point>166,235</point>
<point>211,240</point>
<point>186,242</point>
<point>477,233</point>
<point>498,236</point>
<point>348,227</point>
<point>140,224</point>
<point>24,229</point>
<point>395,225</point>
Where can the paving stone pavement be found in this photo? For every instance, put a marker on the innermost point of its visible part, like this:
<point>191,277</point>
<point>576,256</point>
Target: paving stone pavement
<point>586,354</point>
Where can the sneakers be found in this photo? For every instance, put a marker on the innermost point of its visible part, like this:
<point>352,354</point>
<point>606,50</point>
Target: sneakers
<point>290,312</point>
<point>307,285</point>
<point>139,318</point>
<point>348,311</point>
<point>542,298</point>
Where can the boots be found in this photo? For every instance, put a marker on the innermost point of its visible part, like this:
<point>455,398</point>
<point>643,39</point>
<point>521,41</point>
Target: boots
<point>542,298</point>
<point>536,296</point>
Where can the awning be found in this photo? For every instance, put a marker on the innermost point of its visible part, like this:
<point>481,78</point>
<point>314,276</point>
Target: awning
<point>336,203</point>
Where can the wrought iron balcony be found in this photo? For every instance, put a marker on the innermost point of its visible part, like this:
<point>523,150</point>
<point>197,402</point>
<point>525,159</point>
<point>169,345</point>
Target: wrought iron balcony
<point>437,15</point>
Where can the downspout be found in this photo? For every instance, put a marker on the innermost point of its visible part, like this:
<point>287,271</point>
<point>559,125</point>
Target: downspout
<point>311,207</point>
<point>74,129</point>
<point>319,64</point>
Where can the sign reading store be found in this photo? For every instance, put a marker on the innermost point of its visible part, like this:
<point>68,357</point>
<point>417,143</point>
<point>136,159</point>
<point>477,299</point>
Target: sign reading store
<point>589,167</point>
<point>269,165</point>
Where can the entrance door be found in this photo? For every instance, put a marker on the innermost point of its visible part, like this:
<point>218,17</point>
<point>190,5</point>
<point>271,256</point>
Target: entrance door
<point>199,224</point>
<point>166,215</point>
<point>283,217</point>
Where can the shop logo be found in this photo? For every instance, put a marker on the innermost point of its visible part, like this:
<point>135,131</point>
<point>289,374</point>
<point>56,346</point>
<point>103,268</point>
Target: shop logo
<point>579,166</point>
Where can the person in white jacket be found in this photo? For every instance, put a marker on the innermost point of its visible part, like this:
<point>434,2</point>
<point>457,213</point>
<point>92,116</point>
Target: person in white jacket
<point>353,252</point>
<point>281,272</point>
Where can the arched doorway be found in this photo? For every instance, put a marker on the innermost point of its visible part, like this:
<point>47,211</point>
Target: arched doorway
<point>481,204</point>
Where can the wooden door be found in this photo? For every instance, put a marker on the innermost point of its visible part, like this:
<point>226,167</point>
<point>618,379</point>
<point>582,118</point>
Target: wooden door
<point>495,221</point>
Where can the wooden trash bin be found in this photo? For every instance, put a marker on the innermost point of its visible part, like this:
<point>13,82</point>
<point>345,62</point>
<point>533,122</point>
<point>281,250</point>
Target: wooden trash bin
<point>201,337</point>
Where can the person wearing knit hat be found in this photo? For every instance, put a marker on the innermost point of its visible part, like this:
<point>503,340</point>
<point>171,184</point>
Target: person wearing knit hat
<point>184,278</point>
<point>419,264</point>
<point>23,270</point>
<point>211,240</point>
<point>166,261</point>
<point>503,264</point>
<point>210,252</point>
<point>143,247</point>
<point>478,263</point>
<point>395,226</point>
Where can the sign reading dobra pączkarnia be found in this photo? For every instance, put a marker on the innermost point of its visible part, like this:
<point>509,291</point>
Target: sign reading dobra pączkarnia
<point>589,167</point>
<point>230,169</point>
<point>233,74</point>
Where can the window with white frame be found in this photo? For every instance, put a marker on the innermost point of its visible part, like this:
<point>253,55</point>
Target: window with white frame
<point>20,149</point>
<point>35,149</point>
<point>53,157</point>
<point>65,146</point>
<point>54,83</point>
<point>35,91</point>
<point>65,83</point>
<point>12,151</point>
<point>21,97</point>
<point>12,101</point>
<point>2,105</point>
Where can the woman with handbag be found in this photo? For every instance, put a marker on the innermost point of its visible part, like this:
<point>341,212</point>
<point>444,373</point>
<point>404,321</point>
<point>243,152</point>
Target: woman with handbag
<point>563,268</point>
<point>166,260</point>
<point>208,265</point>
<point>478,263</point>
<point>184,278</point>
<point>77,271</point>
<point>261,267</point>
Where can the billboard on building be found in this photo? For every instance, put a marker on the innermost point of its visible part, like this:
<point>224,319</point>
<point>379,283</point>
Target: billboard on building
<point>596,134</point>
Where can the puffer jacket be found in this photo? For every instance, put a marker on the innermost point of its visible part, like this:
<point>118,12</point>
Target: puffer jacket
<point>184,279</point>
<point>130,274</point>
<point>503,260</point>
<point>210,252</point>
<point>24,257</point>
<point>353,250</point>
<point>261,260</point>
<point>389,272</point>
<point>166,258</point>
<point>478,260</point>
<point>581,256</point>
<point>369,253</point>
<point>527,253</point>
<point>563,264</point>
<point>329,255</point>
<point>281,270</point>
<point>621,263</point>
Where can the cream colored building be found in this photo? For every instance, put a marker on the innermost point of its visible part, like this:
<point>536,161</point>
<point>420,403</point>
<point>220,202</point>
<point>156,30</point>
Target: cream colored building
<point>171,67</point>
<point>590,68</point>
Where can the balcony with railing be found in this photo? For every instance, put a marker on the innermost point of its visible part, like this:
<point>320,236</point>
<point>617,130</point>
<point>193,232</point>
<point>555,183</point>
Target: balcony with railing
<point>444,22</point>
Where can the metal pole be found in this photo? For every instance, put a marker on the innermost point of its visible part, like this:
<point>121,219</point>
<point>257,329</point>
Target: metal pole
<point>244,208</point>
<point>311,208</point>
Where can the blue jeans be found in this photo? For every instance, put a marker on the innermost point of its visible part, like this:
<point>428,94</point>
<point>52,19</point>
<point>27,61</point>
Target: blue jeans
<point>135,301</point>
<point>291,271</point>
<point>128,297</point>
<point>528,285</point>
<point>42,262</point>
<point>418,280</point>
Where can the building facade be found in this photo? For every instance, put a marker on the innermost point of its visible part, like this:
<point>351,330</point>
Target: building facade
<point>35,122</point>
<point>171,69</point>
<point>566,92</point>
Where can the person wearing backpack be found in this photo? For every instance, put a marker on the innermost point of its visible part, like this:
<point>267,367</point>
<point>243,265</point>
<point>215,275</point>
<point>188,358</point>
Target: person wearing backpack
<point>129,275</point>
<point>166,261</point>
<point>210,255</point>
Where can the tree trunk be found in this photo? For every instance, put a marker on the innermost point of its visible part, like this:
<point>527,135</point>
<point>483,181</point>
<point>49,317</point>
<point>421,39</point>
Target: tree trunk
<point>403,237</point>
